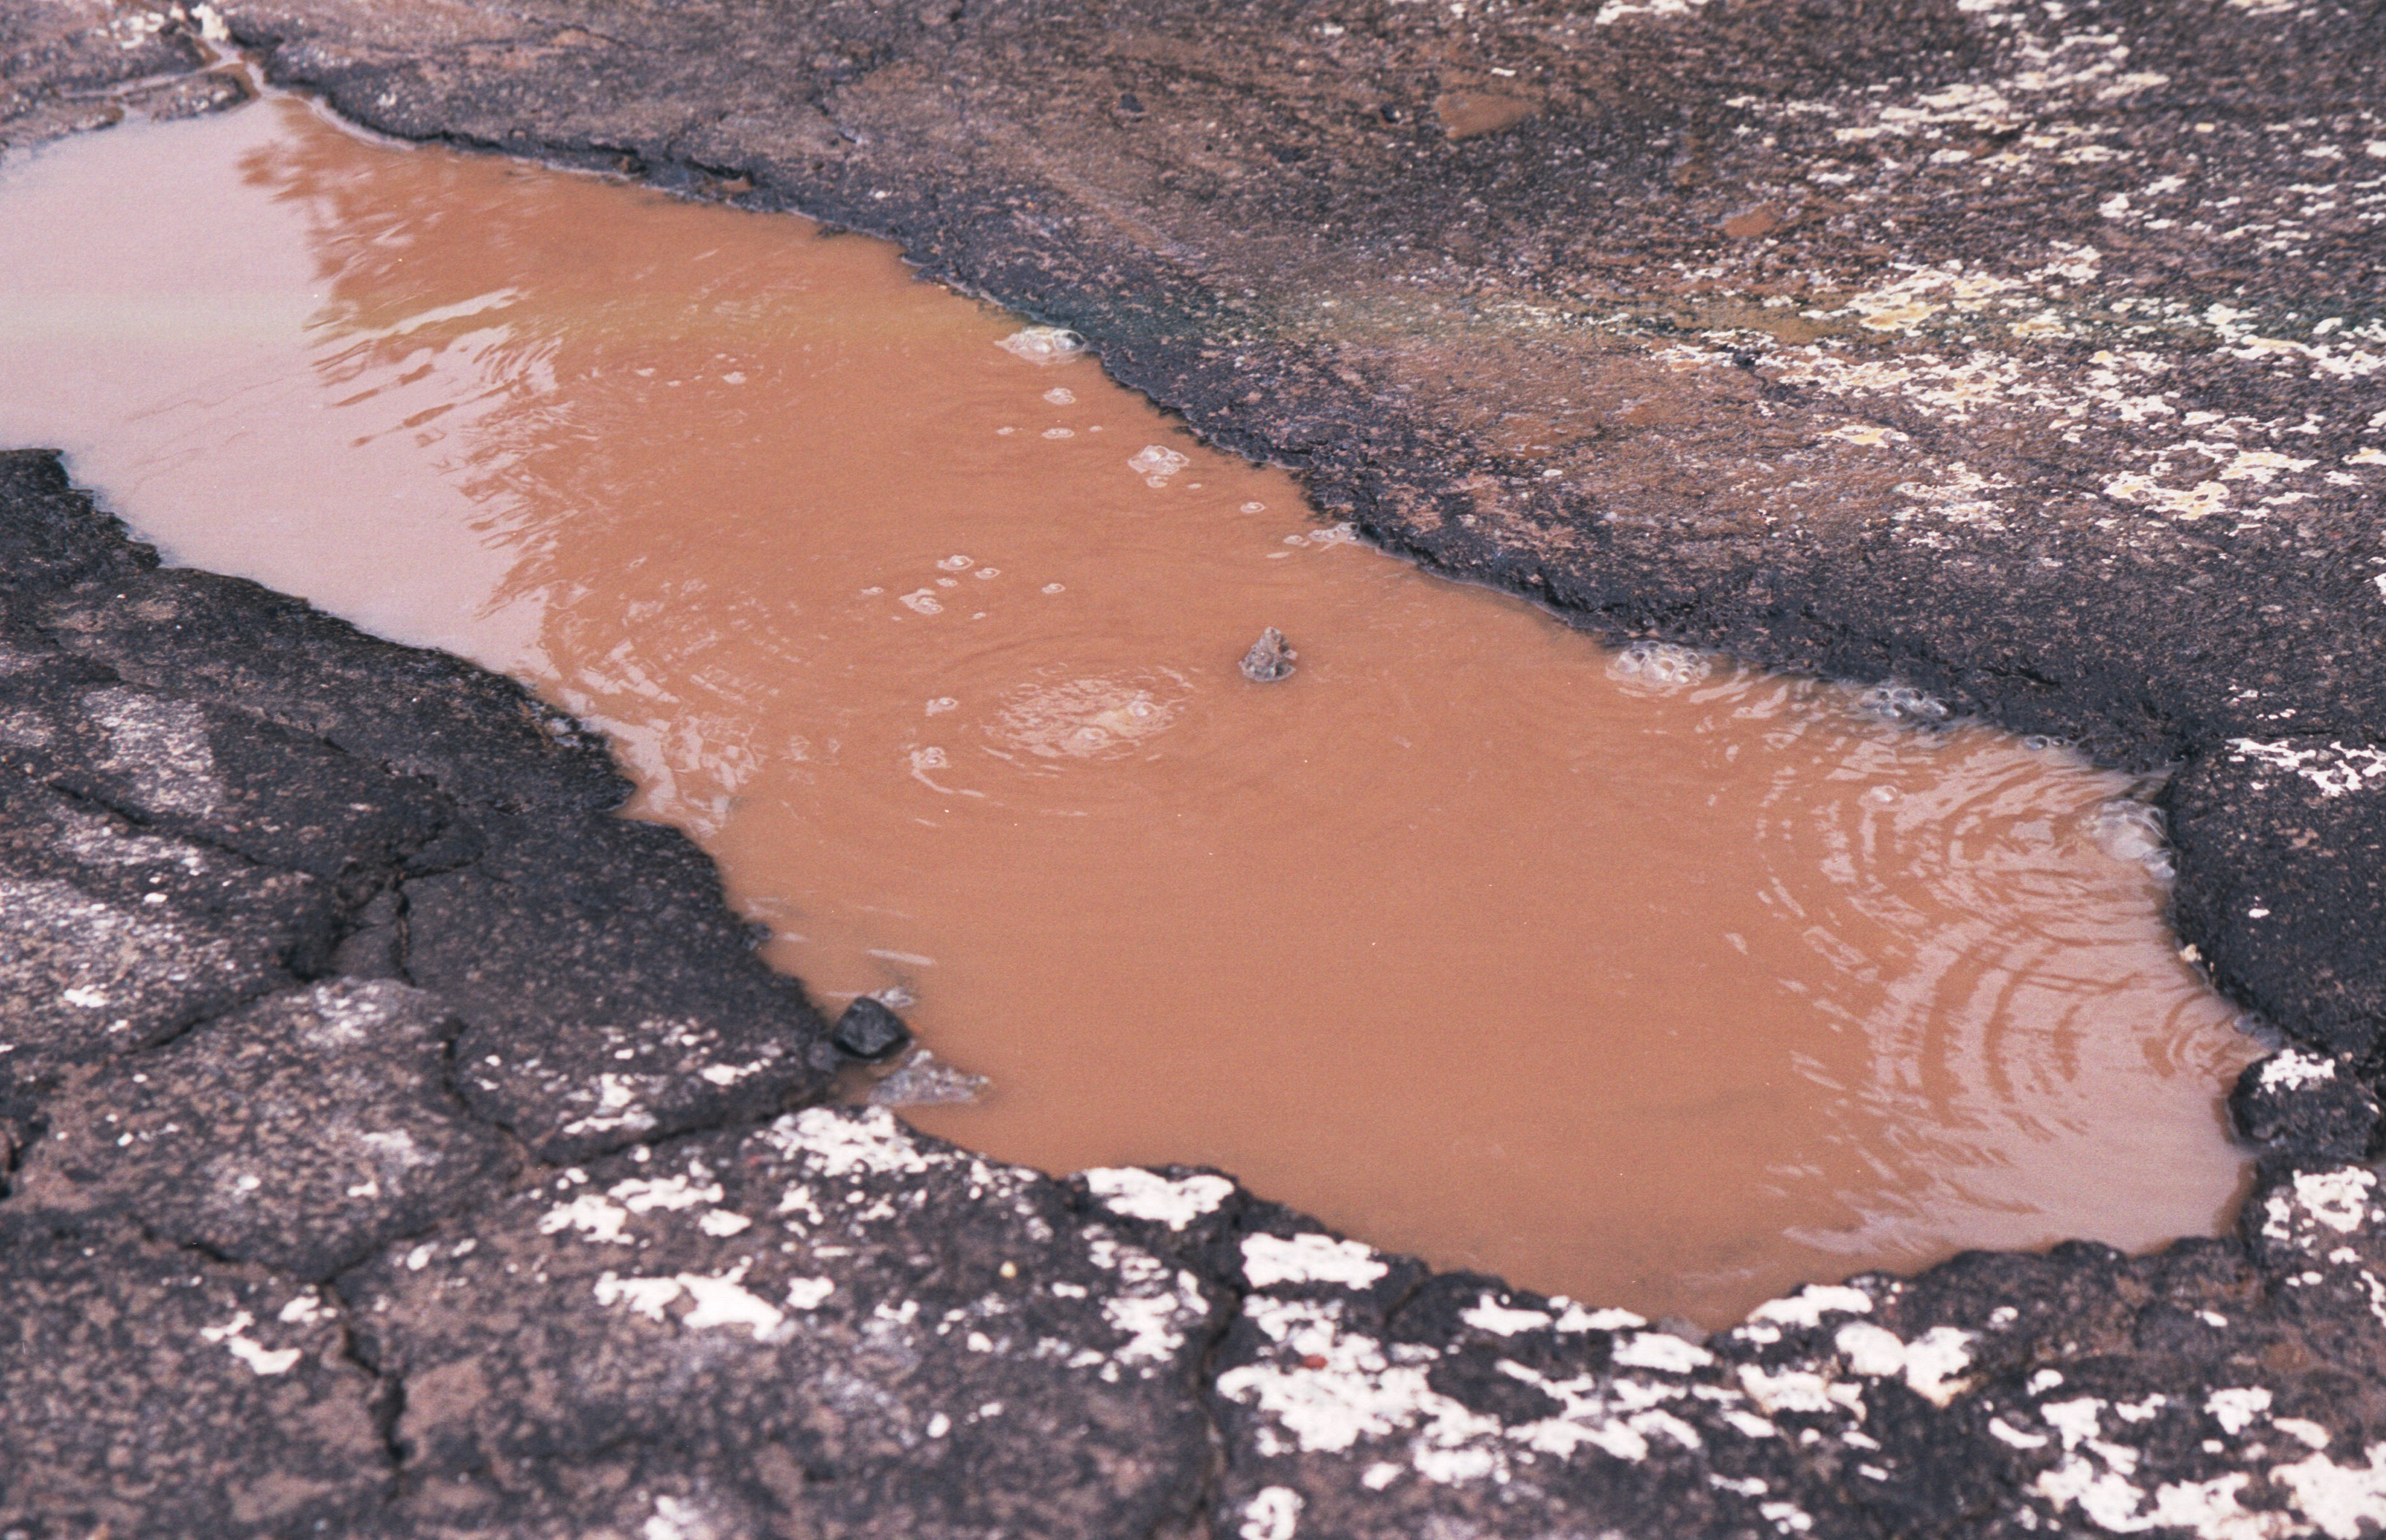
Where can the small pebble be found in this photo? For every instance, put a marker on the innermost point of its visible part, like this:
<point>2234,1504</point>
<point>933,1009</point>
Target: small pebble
<point>1269,660</point>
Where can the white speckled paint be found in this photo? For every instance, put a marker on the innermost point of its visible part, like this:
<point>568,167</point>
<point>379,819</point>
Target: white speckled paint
<point>1270,1260</point>
<point>1143,1194</point>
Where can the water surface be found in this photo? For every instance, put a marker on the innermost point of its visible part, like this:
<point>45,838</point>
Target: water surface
<point>1652,980</point>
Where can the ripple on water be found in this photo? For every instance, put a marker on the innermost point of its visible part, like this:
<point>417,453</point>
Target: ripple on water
<point>1065,716</point>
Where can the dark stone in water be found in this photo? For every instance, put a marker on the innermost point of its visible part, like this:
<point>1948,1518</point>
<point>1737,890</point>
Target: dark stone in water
<point>1269,660</point>
<point>870,1031</point>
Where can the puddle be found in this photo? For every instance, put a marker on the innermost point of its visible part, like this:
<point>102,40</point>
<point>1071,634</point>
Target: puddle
<point>1657,982</point>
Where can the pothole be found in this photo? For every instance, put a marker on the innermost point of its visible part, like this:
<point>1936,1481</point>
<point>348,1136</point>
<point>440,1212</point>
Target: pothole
<point>1637,976</point>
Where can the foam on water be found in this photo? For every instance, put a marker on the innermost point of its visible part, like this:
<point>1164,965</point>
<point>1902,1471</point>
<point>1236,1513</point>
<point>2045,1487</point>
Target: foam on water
<point>2128,830</point>
<point>1901,703</point>
<point>1660,665</point>
<point>1156,463</point>
<point>1043,345</point>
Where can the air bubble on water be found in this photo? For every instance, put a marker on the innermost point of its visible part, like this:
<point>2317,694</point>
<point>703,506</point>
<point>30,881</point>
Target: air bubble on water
<point>985,573</point>
<point>871,593</point>
<point>923,761</point>
<point>1343,534</point>
<point>2128,830</point>
<point>894,994</point>
<point>1060,396</point>
<point>2040,743</point>
<point>1043,345</point>
<point>1056,588</point>
<point>735,376</point>
<point>1060,432</point>
<point>1296,540</point>
<point>1657,665</point>
<point>921,602</point>
<point>1901,703</point>
<point>942,703</point>
<point>1255,508</point>
<point>955,563</point>
<point>1004,432</point>
<point>1879,797</point>
<point>1155,463</point>
<point>949,582</point>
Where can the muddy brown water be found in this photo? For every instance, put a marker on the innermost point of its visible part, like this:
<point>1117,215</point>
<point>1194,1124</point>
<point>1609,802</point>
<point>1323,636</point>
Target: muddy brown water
<point>1639,977</point>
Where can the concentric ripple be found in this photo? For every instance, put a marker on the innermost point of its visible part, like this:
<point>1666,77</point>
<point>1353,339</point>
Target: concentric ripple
<point>1067,715</point>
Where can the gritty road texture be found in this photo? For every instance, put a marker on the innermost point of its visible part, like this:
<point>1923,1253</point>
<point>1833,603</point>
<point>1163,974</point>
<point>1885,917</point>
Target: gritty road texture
<point>397,1143</point>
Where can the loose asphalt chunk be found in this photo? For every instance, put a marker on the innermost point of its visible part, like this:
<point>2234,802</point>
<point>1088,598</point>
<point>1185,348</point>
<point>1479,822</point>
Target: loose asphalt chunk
<point>611,995</point>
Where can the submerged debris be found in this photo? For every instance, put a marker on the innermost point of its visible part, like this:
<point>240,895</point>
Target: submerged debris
<point>1270,658</point>
<point>870,1031</point>
<point>925,1082</point>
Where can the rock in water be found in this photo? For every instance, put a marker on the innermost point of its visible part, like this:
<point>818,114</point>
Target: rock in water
<point>870,1031</point>
<point>1270,657</point>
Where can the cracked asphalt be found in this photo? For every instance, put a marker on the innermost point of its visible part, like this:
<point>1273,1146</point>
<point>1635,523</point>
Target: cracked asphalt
<point>2022,355</point>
